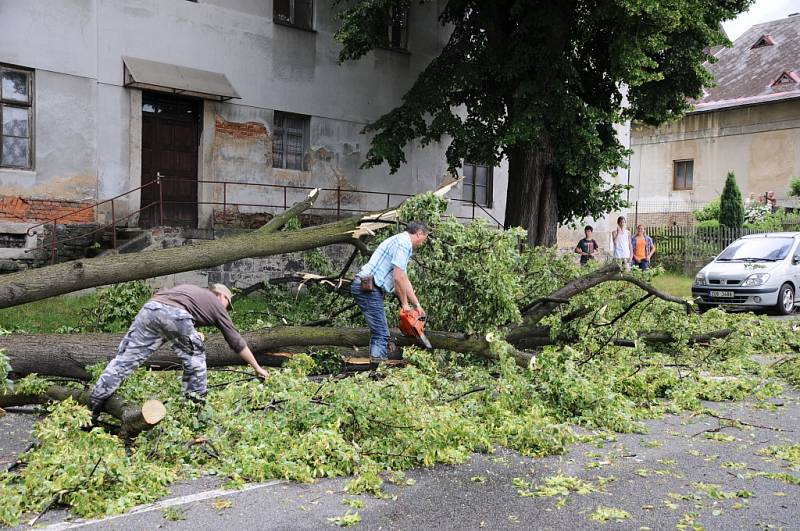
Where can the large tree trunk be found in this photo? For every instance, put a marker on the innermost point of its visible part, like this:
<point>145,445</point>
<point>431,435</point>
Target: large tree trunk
<point>69,355</point>
<point>134,418</point>
<point>531,197</point>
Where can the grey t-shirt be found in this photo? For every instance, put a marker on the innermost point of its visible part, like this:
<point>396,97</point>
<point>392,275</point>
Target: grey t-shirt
<point>205,309</point>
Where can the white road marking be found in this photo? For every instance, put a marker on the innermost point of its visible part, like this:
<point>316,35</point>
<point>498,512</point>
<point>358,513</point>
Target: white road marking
<point>170,502</point>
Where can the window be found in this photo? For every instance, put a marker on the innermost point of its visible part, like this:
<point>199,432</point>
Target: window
<point>16,117</point>
<point>299,13</point>
<point>477,184</point>
<point>764,40</point>
<point>290,141</point>
<point>682,174</point>
<point>398,28</point>
<point>788,77</point>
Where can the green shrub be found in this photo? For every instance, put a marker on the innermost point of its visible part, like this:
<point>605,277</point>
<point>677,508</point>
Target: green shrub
<point>708,212</point>
<point>794,187</point>
<point>117,306</point>
<point>708,224</point>
<point>731,208</point>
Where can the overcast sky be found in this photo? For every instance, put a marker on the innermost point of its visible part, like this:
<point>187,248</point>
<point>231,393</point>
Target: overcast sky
<point>761,11</point>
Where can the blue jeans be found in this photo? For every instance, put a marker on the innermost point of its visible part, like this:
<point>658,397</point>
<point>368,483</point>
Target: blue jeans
<point>643,264</point>
<point>371,304</point>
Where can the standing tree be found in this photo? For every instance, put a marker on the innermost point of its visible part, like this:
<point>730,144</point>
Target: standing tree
<point>731,209</point>
<point>543,83</point>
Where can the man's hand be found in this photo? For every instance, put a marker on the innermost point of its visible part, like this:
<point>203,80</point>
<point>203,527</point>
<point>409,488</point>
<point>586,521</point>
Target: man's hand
<point>261,373</point>
<point>421,310</point>
<point>202,336</point>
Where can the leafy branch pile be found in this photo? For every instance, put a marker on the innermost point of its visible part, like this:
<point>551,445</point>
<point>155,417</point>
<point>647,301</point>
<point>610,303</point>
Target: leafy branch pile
<point>440,409</point>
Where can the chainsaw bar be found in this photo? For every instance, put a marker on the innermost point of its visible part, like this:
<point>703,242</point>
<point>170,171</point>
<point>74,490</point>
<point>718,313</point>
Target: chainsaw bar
<point>425,341</point>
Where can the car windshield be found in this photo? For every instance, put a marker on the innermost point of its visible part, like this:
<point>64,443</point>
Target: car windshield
<point>757,250</point>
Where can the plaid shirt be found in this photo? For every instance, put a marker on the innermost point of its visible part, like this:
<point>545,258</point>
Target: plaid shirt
<point>393,252</point>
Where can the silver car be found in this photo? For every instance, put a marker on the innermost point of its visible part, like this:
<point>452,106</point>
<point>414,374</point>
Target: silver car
<point>755,271</point>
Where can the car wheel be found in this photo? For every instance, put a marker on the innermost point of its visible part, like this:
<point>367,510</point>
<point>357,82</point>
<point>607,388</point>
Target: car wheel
<point>785,304</point>
<point>704,307</point>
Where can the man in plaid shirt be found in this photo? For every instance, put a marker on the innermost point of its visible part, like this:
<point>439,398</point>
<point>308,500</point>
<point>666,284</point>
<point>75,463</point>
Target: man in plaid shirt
<point>388,267</point>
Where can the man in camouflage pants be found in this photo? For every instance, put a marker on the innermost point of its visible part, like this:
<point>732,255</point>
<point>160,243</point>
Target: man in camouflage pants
<point>171,316</point>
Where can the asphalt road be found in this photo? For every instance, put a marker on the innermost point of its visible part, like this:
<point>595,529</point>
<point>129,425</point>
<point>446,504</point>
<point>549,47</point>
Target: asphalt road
<point>656,482</point>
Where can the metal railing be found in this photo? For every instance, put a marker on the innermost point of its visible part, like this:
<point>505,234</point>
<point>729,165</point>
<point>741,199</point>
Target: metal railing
<point>342,207</point>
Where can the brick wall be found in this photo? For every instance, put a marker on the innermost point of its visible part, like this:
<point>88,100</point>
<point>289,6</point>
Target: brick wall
<point>240,130</point>
<point>15,208</point>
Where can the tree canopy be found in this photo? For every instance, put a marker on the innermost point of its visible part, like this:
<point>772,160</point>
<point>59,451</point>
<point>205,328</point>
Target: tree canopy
<point>543,84</point>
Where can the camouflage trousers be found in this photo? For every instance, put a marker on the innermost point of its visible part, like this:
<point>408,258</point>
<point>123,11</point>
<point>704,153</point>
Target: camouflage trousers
<point>154,324</point>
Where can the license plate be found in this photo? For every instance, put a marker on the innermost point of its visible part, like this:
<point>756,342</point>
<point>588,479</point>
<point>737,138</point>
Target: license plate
<point>722,294</point>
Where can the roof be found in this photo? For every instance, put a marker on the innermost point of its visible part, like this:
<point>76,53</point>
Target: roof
<point>146,74</point>
<point>762,66</point>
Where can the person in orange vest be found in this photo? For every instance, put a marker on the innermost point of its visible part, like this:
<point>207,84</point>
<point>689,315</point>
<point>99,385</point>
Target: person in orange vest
<point>643,248</point>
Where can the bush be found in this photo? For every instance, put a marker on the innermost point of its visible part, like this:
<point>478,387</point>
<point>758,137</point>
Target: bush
<point>117,306</point>
<point>709,212</point>
<point>794,187</point>
<point>731,208</point>
<point>756,212</point>
<point>708,224</point>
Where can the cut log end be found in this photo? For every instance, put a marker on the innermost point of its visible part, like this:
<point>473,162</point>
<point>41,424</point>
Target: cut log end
<point>153,412</point>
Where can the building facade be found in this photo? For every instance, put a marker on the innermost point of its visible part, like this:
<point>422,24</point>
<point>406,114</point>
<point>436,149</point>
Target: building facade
<point>748,123</point>
<point>207,109</point>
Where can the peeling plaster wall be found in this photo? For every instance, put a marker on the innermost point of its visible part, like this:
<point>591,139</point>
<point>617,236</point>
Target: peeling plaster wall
<point>88,126</point>
<point>65,141</point>
<point>761,144</point>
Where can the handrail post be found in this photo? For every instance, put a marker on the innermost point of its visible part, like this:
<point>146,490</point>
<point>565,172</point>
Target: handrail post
<point>388,199</point>
<point>284,197</point>
<point>160,200</point>
<point>224,203</point>
<point>338,202</point>
<point>53,245</point>
<point>113,226</point>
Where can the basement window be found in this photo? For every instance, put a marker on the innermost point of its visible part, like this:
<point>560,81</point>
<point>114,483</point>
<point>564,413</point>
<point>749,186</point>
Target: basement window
<point>682,174</point>
<point>12,241</point>
<point>764,40</point>
<point>297,13</point>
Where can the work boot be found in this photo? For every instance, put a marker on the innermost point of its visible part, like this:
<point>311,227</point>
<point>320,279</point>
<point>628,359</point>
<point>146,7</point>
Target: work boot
<point>97,409</point>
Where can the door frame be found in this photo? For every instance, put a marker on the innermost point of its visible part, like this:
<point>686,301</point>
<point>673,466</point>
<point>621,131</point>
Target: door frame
<point>197,122</point>
<point>134,178</point>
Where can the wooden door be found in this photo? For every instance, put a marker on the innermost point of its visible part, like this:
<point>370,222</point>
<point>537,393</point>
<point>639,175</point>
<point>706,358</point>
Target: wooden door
<point>170,139</point>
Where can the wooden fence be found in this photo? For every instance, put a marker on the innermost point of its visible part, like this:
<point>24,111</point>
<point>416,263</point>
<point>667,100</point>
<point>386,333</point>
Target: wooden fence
<point>687,249</point>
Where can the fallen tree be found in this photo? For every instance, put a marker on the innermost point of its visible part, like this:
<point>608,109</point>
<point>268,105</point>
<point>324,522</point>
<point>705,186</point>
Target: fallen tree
<point>69,355</point>
<point>134,419</point>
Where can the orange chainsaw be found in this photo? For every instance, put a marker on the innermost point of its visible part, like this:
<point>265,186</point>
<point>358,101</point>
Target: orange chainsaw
<point>412,324</point>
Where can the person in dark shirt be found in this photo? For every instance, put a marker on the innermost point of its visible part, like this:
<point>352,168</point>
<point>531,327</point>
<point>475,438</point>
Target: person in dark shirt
<point>587,247</point>
<point>171,315</point>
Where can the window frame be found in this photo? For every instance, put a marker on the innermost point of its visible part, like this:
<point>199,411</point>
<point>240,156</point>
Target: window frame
<point>292,20</point>
<point>29,106</point>
<point>403,47</point>
<point>489,184</point>
<point>676,164</point>
<point>283,131</point>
